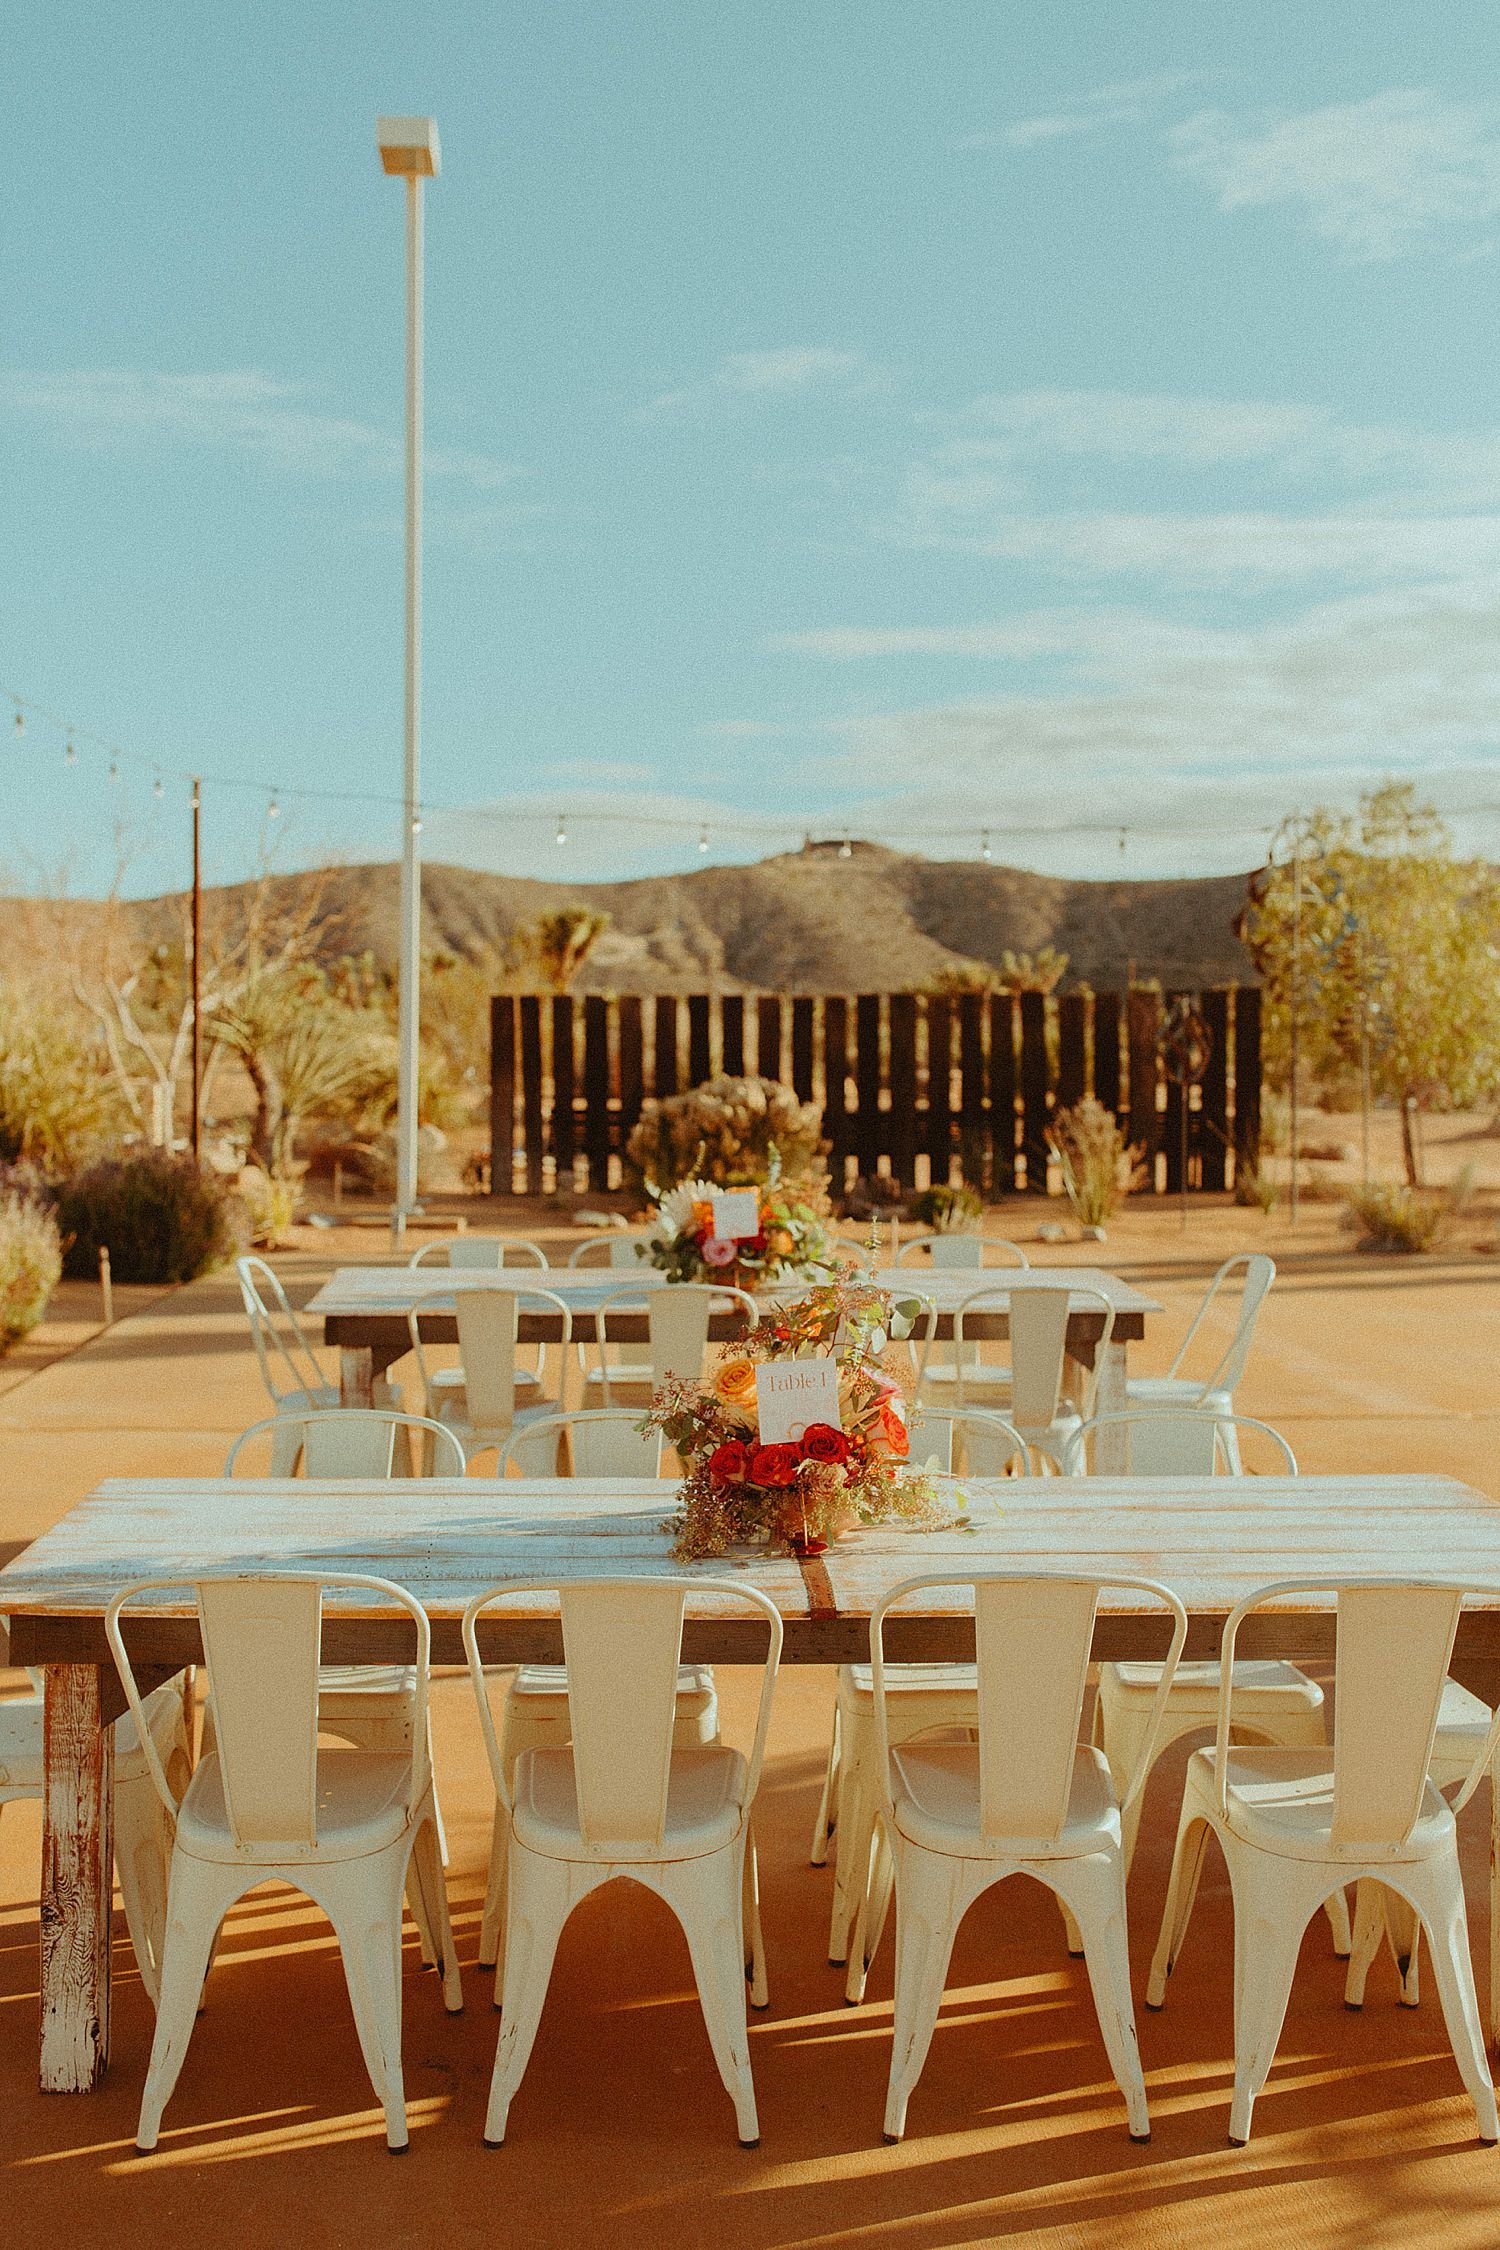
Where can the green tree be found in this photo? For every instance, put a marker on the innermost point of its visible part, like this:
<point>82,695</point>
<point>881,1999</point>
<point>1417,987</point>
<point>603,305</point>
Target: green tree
<point>309,1051</point>
<point>553,948</point>
<point>1387,950</point>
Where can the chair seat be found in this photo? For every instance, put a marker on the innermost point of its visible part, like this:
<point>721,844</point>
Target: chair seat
<point>1176,1390</point>
<point>704,1807</point>
<point>448,1383</point>
<point>857,1681</point>
<point>1262,1687</point>
<point>695,1683</point>
<point>21,1724</point>
<point>361,1808</point>
<point>1282,1801</point>
<point>936,1792</point>
<point>982,1377</point>
<point>1463,1721</point>
<point>359,1682</point>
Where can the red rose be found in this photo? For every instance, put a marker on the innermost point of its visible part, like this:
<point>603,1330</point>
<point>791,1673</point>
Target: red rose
<point>728,1462</point>
<point>774,1465</point>
<point>822,1442</point>
<point>751,1245</point>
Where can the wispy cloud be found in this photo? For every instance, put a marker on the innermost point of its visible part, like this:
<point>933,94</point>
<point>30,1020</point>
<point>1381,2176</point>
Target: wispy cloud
<point>1379,178</point>
<point>786,371</point>
<point>1133,101</point>
<point>241,409</point>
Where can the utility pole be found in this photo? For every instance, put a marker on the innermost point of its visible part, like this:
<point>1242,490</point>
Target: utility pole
<point>196,1126</point>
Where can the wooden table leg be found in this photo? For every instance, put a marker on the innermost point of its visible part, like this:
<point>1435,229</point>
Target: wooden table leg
<point>356,1375</point>
<point>77,1880</point>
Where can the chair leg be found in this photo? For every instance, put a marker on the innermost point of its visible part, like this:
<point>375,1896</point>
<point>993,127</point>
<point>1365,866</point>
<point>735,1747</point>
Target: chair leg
<point>1438,1887</point>
<point>368,1928</point>
<point>425,1875</point>
<point>492,1920</point>
<point>755,1954</point>
<point>826,1822</point>
<point>1268,1932</point>
<point>855,1830</point>
<point>1182,1890</point>
<point>199,1896</point>
<point>874,1909</point>
<point>143,1858</point>
<point>704,1894</point>
<point>543,1893</point>
<point>932,1900</point>
<point>1494,2022</point>
<point>1369,1934</point>
<point>1094,1889</point>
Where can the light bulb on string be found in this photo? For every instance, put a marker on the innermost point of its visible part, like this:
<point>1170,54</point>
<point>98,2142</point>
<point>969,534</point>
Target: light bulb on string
<point>562,829</point>
<point>273,807</point>
<point>416,825</point>
<point>114,769</point>
<point>846,849</point>
<point>703,839</point>
<point>1122,843</point>
<point>984,845</point>
<point>70,755</point>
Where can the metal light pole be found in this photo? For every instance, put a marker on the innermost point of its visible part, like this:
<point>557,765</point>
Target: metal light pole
<point>409,150</point>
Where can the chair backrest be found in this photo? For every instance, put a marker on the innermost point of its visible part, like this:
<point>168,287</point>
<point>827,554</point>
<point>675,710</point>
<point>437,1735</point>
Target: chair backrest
<point>280,1341</point>
<point>622,1643</point>
<point>961,1251</point>
<point>1395,1639</point>
<point>488,1321</point>
<point>977,1443</point>
<point>677,1321</point>
<point>1175,1442</point>
<point>1032,1637</point>
<point>1259,1273</point>
<point>477,1253</point>
<point>261,1645</point>
<point>352,1441</point>
<point>603,1442</point>
<point>618,1248</point>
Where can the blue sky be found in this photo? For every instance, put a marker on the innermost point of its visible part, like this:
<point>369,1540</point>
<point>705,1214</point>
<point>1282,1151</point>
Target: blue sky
<point>915,417</point>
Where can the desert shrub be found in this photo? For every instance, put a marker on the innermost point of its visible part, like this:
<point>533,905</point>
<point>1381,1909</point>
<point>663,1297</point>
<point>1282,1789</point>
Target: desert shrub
<point>1392,1217</point>
<point>1098,1165</point>
<point>734,1132</point>
<point>30,1263</point>
<point>159,1216</point>
<point>270,1206</point>
<point>1254,1187</point>
<point>57,1101</point>
<point>948,1210</point>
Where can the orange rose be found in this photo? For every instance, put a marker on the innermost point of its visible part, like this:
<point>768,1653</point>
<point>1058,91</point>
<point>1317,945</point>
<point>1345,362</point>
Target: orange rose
<point>779,1242</point>
<point>888,1440</point>
<point>733,1385</point>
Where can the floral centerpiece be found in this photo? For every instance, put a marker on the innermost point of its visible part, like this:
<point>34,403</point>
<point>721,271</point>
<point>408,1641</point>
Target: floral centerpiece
<point>790,1242</point>
<point>800,1493</point>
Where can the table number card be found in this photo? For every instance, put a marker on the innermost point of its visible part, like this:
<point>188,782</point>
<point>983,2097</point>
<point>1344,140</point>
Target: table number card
<point>736,1213</point>
<point>790,1394</point>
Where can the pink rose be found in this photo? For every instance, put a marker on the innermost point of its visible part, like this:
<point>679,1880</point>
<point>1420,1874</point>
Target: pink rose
<point>718,1251</point>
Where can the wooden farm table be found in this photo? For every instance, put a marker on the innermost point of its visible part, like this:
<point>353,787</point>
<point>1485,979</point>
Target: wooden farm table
<point>364,1311</point>
<point>1211,1539</point>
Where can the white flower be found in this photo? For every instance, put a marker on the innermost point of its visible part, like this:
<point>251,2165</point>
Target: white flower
<point>677,1207</point>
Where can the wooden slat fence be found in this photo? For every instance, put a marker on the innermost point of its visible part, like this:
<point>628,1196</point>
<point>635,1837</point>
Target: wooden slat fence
<point>927,1089</point>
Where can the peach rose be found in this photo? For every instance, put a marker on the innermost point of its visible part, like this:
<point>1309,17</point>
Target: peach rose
<point>733,1385</point>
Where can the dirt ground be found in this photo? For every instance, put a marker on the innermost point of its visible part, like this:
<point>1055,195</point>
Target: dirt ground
<point>621,2134</point>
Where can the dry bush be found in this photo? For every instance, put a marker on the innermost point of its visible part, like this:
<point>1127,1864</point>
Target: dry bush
<point>1098,1165</point>
<point>734,1132</point>
<point>1392,1217</point>
<point>30,1263</point>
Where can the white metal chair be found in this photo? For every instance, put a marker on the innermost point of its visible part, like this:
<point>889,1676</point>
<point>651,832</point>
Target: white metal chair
<point>1273,1701</point>
<point>1025,1798</point>
<point>1380,1914</point>
<point>962,1251</point>
<point>1213,1393</point>
<point>677,1318</point>
<point>919,1698</point>
<point>602,1442</point>
<point>481,1409</point>
<point>624,1799</point>
<point>478,1253</point>
<point>353,1441</point>
<point>143,1827</point>
<point>975,1443</point>
<point>290,1368</point>
<point>1029,1392</point>
<point>1297,1825</point>
<point>267,1803</point>
<point>619,1250</point>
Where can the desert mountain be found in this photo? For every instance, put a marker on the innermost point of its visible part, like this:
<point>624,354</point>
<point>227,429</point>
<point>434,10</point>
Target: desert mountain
<point>808,921</point>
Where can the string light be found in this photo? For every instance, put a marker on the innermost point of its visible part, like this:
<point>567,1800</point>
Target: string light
<point>562,829</point>
<point>114,769</point>
<point>70,755</point>
<point>703,839</point>
<point>416,826</point>
<point>984,845</point>
<point>846,849</point>
<point>1122,843</point>
<point>273,808</point>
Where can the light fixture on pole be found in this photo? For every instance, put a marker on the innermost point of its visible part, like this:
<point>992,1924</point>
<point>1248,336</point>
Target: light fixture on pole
<point>409,151</point>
